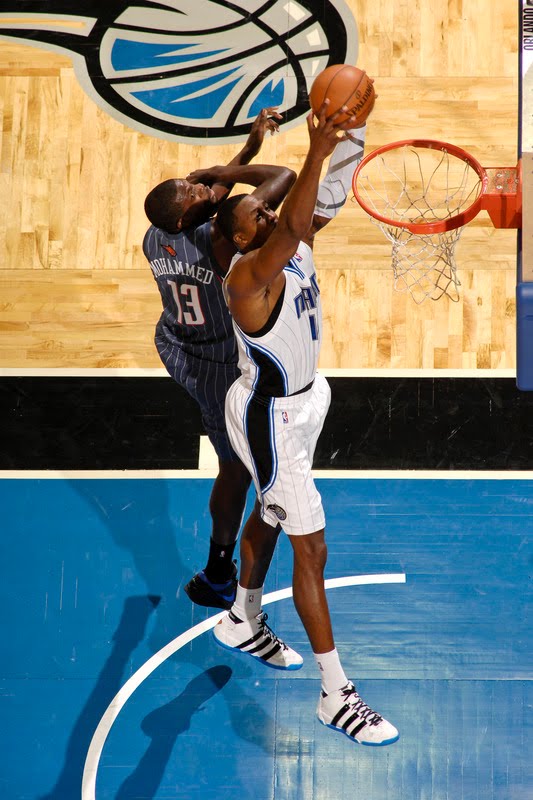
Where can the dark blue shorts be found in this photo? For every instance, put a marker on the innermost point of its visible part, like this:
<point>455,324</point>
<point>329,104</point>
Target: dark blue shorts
<point>207,382</point>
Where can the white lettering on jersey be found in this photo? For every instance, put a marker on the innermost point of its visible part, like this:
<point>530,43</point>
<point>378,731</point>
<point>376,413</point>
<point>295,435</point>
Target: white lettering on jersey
<point>170,266</point>
<point>306,300</point>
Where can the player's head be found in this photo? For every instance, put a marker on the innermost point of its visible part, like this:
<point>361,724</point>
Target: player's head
<point>177,204</point>
<point>246,221</point>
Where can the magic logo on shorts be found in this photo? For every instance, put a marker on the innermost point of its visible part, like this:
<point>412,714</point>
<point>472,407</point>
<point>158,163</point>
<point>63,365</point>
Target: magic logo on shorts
<point>280,512</point>
<point>196,71</point>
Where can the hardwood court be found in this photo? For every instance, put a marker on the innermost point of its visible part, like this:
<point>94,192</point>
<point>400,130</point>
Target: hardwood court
<point>76,291</point>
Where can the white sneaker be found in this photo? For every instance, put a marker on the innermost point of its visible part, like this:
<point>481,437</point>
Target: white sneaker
<point>344,711</point>
<point>253,636</point>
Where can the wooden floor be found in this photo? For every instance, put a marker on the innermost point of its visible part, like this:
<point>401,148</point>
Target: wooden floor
<point>75,288</point>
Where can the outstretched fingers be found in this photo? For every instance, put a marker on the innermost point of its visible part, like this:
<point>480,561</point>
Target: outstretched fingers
<point>268,119</point>
<point>333,125</point>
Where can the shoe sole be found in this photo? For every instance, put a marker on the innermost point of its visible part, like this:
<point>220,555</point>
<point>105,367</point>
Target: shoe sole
<point>290,668</point>
<point>384,743</point>
<point>206,597</point>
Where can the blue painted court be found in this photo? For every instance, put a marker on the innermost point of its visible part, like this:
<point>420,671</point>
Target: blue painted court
<point>92,577</point>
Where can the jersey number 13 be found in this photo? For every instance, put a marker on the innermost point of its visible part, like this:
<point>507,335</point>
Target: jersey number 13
<point>187,299</point>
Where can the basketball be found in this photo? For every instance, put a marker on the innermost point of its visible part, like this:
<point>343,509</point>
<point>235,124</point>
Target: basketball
<point>344,85</point>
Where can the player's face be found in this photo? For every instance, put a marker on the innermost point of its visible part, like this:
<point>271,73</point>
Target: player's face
<point>255,222</point>
<point>197,200</point>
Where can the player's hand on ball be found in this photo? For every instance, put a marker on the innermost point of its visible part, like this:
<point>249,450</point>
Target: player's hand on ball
<point>346,87</point>
<point>324,130</point>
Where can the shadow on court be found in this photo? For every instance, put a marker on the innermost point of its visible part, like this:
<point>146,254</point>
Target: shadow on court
<point>130,632</point>
<point>162,537</point>
<point>147,527</point>
<point>163,726</point>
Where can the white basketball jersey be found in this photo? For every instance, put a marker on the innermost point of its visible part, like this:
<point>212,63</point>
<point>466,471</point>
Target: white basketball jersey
<point>282,358</point>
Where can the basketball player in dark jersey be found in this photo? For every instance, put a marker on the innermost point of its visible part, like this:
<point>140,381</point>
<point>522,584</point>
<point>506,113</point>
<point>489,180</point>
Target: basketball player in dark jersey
<point>194,336</point>
<point>274,415</point>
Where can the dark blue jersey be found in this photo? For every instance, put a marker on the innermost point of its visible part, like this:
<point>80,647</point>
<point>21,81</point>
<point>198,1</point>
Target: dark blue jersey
<point>195,316</point>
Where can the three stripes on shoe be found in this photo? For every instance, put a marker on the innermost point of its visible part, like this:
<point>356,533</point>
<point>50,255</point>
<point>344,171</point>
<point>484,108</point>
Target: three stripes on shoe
<point>264,644</point>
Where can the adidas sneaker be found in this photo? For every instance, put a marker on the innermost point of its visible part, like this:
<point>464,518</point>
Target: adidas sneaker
<point>255,638</point>
<point>346,712</point>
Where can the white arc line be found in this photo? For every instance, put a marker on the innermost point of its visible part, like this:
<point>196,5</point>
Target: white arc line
<point>88,785</point>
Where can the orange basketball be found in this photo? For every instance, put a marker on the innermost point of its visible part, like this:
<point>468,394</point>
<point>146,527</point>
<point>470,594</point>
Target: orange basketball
<point>344,85</point>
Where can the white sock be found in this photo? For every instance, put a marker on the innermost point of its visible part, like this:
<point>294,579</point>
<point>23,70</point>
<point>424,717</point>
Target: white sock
<point>331,671</point>
<point>247,603</point>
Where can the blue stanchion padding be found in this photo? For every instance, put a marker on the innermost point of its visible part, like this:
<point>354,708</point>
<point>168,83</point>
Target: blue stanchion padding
<point>524,336</point>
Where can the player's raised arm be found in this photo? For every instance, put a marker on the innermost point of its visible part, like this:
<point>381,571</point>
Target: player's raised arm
<point>269,243</point>
<point>337,182</point>
<point>265,121</point>
<point>349,84</point>
<point>177,204</point>
<point>272,183</point>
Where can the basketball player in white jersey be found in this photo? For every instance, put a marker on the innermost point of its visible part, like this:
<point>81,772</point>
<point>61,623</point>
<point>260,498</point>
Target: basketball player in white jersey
<point>189,258</point>
<point>275,412</point>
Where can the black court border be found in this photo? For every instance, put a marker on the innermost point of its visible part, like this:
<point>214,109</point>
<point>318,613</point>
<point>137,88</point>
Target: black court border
<point>374,424</point>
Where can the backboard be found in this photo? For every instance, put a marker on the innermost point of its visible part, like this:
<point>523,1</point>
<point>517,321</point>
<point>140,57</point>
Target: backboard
<point>524,289</point>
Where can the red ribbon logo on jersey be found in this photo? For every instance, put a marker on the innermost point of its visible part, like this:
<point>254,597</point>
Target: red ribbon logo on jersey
<point>169,249</point>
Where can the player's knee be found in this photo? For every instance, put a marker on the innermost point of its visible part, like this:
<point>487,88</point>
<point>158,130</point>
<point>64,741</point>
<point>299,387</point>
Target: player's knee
<point>311,552</point>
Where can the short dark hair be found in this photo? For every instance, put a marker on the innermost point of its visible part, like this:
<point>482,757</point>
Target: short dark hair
<point>226,219</point>
<point>162,207</point>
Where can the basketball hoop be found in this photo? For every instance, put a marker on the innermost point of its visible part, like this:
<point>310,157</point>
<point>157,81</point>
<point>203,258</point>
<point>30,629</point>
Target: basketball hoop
<point>421,193</point>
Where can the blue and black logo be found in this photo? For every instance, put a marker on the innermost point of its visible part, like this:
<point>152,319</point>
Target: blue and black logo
<point>195,71</point>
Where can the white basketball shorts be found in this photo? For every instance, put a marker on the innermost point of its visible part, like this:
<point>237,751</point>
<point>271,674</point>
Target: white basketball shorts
<point>275,438</point>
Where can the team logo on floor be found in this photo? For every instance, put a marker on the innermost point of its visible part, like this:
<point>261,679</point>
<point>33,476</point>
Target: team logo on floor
<point>196,71</point>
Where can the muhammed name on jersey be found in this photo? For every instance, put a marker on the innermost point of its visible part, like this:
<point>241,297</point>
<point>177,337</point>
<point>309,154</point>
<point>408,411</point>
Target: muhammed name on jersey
<point>171,266</point>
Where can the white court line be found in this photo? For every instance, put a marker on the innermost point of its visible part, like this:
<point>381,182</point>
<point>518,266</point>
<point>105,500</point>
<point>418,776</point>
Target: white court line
<point>88,786</point>
<point>159,372</point>
<point>207,456</point>
<point>185,474</point>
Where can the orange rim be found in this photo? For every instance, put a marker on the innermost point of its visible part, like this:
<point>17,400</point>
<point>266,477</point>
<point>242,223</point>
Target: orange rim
<point>439,226</point>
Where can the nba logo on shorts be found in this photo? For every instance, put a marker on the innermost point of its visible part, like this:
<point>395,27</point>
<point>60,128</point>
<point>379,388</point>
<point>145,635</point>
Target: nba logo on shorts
<point>284,417</point>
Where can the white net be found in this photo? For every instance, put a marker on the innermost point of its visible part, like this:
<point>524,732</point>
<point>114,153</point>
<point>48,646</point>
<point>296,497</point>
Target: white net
<point>424,265</point>
<point>412,184</point>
